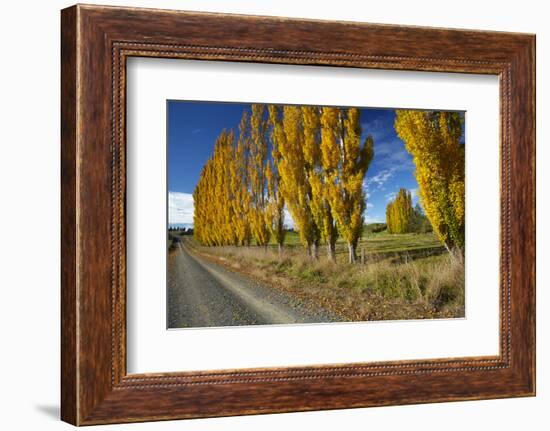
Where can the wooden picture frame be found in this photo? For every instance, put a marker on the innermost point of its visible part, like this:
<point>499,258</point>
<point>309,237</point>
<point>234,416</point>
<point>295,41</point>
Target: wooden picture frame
<point>95,43</point>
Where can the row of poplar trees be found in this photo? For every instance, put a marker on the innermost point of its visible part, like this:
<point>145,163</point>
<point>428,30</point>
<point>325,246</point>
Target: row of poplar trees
<point>307,159</point>
<point>399,213</point>
<point>402,217</point>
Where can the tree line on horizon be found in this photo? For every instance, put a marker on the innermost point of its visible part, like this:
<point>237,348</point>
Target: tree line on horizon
<point>311,161</point>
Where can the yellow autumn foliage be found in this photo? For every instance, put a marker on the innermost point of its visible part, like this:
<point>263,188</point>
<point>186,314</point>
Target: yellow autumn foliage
<point>433,139</point>
<point>212,196</point>
<point>308,160</point>
<point>257,165</point>
<point>399,213</point>
<point>274,216</point>
<point>347,161</point>
<point>294,184</point>
<point>317,179</point>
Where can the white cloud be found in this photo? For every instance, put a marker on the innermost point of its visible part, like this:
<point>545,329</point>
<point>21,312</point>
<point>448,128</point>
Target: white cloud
<point>180,208</point>
<point>289,222</point>
<point>366,188</point>
<point>369,205</point>
<point>373,219</point>
<point>377,182</point>
<point>391,196</point>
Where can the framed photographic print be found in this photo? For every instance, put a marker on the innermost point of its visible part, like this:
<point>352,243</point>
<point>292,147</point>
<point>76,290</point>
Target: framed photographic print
<point>270,215</point>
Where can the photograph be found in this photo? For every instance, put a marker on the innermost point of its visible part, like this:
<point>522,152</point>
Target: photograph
<point>293,214</point>
<point>309,215</point>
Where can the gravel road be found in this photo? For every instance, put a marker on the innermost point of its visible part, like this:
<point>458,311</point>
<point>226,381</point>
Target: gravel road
<point>204,294</point>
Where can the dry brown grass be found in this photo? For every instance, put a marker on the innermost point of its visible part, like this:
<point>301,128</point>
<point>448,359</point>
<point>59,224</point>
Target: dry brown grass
<point>382,289</point>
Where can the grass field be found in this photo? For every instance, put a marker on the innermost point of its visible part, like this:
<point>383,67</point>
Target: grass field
<point>406,276</point>
<point>376,245</point>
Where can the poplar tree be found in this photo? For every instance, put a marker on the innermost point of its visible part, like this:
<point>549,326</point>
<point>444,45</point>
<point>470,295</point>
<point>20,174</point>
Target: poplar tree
<point>214,196</point>
<point>320,209</point>
<point>257,165</point>
<point>200,216</point>
<point>399,213</point>
<point>434,140</point>
<point>315,135</point>
<point>390,224</point>
<point>227,197</point>
<point>275,218</point>
<point>347,162</point>
<point>239,184</point>
<point>294,184</point>
<point>219,191</point>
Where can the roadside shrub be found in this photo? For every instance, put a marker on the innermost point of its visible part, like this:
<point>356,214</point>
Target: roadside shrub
<point>445,288</point>
<point>283,266</point>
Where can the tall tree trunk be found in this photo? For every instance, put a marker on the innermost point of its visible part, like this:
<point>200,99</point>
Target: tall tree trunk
<point>315,250</point>
<point>456,253</point>
<point>351,250</point>
<point>451,252</point>
<point>331,251</point>
<point>280,249</point>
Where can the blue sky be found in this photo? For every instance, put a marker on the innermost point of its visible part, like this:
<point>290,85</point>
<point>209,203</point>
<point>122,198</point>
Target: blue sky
<point>194,126</point>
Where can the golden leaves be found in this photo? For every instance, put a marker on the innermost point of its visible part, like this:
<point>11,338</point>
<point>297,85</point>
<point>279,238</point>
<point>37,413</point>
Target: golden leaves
<point>399,212</point>
<point>345,162</point>
<point>315,168</point>
<point>433,138</point>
